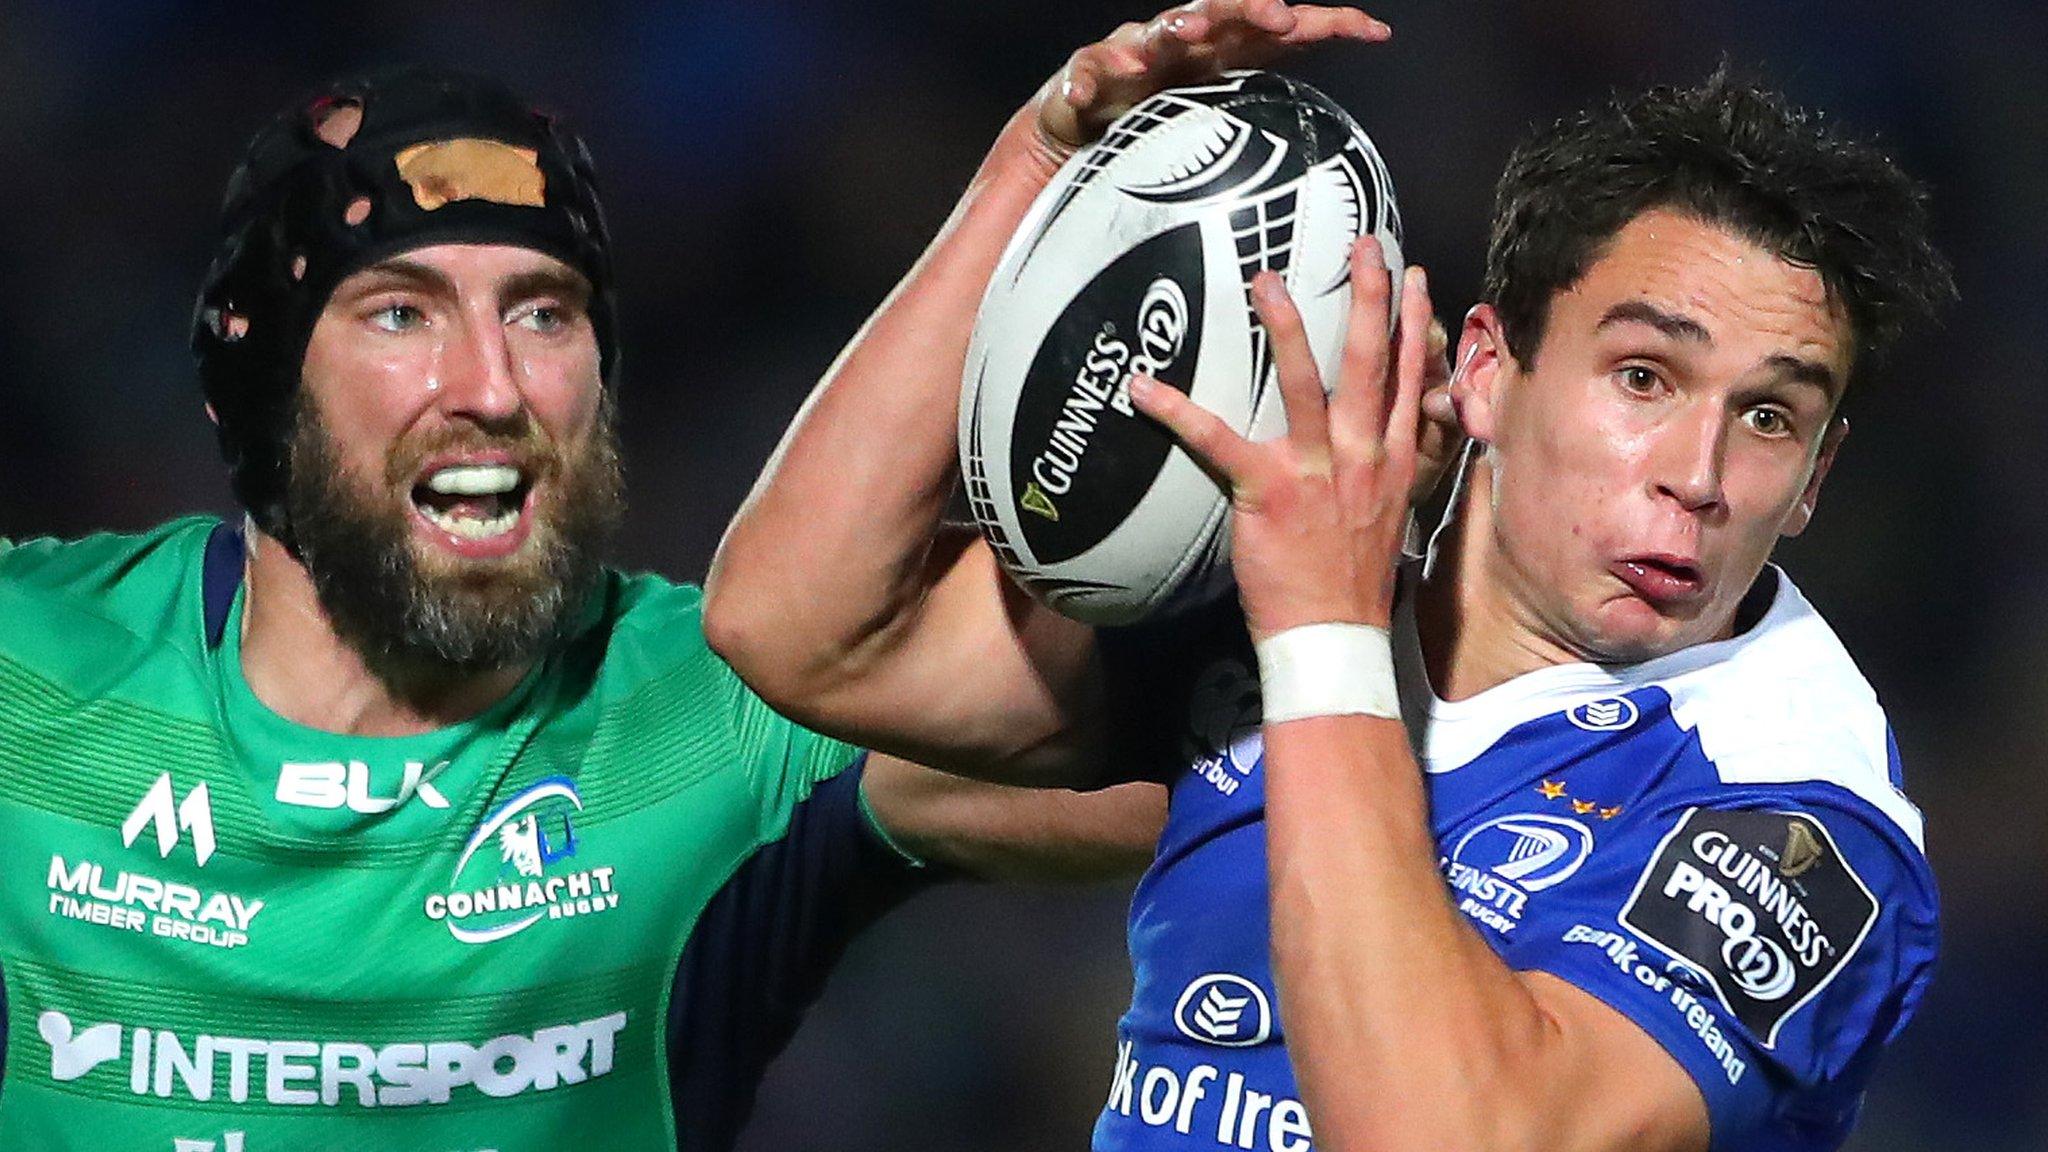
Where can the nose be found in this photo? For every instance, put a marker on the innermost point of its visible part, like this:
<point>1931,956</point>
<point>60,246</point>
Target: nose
<point>1690,457</point>
<point>476,375</point>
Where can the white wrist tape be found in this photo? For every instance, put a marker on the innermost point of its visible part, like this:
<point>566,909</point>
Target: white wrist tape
<point>1327,670</point>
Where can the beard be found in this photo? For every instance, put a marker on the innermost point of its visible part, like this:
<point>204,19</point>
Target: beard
<point>409,608</point>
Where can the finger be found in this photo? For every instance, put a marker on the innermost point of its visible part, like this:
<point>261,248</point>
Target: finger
<point>1273,16</point>
<point>1191,57</point>
<point>1436,374</point>
<point>1172,52</point>
<point>1244,43</point>
<point>1438,407</point>
<point>1170,37</point>
<point>1074,91</point>
<point>1129,70</point>
<point>1411,367</point>
<point>1083,88</point>
<point>1127,34</point>
<point>1438,438</point>
<point>1121,60</point>
<point>1188,24</point>
<point>1313,25</point>
<point>1182,45</point>
<point>1301,383</point>
<point>1358,407</point>
<point>1213,444</point>
<point>1436,381</point>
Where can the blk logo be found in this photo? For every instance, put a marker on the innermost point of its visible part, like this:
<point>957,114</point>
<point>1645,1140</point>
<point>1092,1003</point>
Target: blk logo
<point>1224,1009</point>
<point>228,1142</point>
<point>333,784</point>
<point>164,814</point>
<point>1610,715</point>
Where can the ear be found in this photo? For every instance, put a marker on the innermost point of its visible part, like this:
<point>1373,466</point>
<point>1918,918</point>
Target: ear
<point>1476,380</point>
<point>1830,443</point>
<point>212,415</point>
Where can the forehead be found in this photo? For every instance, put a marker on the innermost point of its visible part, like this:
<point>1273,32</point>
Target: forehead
<point>466,267</point>
<point>1746,297</point>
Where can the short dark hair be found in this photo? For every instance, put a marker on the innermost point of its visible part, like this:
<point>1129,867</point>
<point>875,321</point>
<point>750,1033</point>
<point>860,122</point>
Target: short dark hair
<point>1730,153</point>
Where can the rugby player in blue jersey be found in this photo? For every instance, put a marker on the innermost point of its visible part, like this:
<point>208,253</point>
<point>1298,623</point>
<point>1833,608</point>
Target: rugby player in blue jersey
<point>1636,873</point>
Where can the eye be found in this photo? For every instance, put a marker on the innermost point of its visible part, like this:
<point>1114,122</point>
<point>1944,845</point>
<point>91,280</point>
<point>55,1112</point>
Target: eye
<point>545,317</point>
<point>398,318</point>
<point>1639,380</point>
<point>1774,423</point>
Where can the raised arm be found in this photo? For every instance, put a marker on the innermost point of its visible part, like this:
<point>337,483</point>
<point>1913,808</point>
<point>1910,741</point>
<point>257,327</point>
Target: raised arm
<point>837,593</point>
<point>1407,1032</point>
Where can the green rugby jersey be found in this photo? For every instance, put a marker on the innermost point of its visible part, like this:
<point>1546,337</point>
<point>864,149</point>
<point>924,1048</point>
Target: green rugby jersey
<point>587,918</point>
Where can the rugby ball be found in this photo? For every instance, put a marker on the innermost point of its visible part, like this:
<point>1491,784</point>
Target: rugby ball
<point>1139,257</point>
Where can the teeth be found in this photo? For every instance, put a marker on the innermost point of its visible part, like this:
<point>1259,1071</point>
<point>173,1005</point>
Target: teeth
<point>474,480</point>
<point>474,529</point>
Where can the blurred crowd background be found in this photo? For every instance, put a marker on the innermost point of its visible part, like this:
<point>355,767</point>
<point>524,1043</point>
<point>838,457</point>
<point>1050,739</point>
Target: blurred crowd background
<point>772,166</point>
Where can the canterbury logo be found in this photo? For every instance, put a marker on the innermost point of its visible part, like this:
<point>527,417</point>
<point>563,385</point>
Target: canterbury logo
<point>1224,1009</point>
<point>1609,715</point>
<point>1603,713</point>
<point>1218,1014</point>
<point>161,812</point>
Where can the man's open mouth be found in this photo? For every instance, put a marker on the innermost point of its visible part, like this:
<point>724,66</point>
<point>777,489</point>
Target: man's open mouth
<point>474,501</point>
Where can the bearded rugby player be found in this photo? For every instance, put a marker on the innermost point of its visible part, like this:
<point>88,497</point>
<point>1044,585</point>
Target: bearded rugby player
<point>1637,872</point>
<point>390,817</point>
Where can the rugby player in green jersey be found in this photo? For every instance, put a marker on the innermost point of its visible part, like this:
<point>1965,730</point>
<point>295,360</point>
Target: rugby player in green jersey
<point>390,817</point>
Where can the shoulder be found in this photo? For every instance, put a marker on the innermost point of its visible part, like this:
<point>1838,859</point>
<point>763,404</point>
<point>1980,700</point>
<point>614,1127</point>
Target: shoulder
<point>642,608</point>
<point>103,592</point>
<point>645,628</point>
<point>1786,705</point>
<point>93,563</point>
<point>652,669</point>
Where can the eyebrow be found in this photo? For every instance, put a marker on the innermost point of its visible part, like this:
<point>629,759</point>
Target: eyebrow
<point>563,282</point>
<point>1800,370</point>
<point>1797,369</point>
<point>566,283</point>
<point>411,271</point>
<point>1669,323</point>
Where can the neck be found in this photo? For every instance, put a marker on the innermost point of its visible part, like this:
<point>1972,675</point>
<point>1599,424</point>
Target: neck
<point>1474,633</point>
<point>302,670</point>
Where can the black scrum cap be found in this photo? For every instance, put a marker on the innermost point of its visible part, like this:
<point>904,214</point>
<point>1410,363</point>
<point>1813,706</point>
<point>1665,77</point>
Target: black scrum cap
<point>367,167</point>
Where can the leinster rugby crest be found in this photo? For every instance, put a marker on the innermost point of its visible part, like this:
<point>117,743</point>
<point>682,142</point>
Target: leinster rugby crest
<point>1762,904</point>
<point>524,864</point>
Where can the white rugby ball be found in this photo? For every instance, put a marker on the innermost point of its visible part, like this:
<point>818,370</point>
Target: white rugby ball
<point>1140,256</point>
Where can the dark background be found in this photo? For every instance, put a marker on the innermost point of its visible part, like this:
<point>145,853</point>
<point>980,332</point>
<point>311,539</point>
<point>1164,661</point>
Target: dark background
<point>771,167</point>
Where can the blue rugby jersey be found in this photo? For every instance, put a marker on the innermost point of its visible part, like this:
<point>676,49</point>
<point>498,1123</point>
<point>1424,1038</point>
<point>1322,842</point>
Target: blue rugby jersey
<point>1714,843</point>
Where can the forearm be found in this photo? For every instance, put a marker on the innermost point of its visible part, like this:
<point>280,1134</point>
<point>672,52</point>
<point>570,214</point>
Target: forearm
<point>1407,1032</point>
<point>831,555</point>
<point>1035,835</point>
